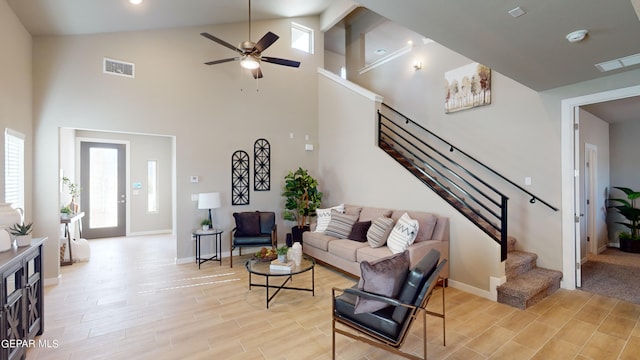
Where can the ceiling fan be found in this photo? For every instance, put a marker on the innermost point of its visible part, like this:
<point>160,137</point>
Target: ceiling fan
<point>250,52</point>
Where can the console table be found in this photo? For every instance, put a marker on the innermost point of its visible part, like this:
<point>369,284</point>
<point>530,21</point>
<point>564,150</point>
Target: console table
<point>67,233</point>
<point>21,299</point>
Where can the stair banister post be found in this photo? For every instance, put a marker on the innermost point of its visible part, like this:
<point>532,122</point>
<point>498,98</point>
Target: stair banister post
<point>503,230</point>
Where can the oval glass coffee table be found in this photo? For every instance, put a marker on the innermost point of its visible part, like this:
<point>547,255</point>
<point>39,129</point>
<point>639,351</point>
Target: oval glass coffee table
<point>262,268</point>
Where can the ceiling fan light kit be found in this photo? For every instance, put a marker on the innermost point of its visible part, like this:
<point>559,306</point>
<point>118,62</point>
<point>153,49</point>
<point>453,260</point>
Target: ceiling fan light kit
<point>250,52</point>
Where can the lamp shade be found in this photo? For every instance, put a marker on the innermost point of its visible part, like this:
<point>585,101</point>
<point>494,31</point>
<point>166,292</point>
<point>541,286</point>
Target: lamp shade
<point>209,200</point>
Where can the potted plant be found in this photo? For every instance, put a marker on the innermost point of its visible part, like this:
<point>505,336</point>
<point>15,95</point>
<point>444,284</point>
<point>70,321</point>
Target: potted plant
<point>65,212</point>
<point>206,224</point>
<point>282,253</point>
<point>302,198</point>
<point>629,241</point>
<point>74,191</point>
<point>22,233</point>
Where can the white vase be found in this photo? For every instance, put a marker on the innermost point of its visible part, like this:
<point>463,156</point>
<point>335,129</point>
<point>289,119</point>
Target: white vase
<point>23,240</point>
<point>8,217</point>
<point>296,253</point>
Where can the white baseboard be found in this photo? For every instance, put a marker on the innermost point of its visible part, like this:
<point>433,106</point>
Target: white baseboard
<point>470,289</point>
<point>52,281</point>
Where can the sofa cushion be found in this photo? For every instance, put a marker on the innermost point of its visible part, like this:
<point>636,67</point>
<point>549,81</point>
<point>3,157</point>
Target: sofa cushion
<point>247,223</point>
<point>352,210</point>
<point>368,253</point>
<point>426,222</point>
<point>345,249</point>
<point>324,217</point>
<point>340,225</point>
<point>382,277</point>
<point>359,231</point>
<point>372,213</point>
<point>403,234</point>
<point>316,240</point>
<point>379,231</point>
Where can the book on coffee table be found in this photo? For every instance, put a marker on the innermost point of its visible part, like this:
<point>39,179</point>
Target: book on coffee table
<point>282,266</point>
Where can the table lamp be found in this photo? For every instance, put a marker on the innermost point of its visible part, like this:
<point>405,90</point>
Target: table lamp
<point>209,201</point>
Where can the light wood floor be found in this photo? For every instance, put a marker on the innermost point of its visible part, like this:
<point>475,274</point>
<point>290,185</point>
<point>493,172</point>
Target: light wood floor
<point>132,302</point>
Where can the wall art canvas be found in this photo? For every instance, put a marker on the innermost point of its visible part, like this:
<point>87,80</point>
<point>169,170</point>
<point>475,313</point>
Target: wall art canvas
<point>467,87</point>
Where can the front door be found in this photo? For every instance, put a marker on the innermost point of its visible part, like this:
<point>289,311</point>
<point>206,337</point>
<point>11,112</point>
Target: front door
<point>103,199</point>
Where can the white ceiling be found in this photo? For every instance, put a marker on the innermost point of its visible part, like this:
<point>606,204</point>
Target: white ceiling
<point>531,49</point>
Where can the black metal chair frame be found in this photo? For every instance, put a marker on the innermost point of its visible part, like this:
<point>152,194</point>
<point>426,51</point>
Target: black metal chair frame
<point>374,339</point>
<point>274,242</point>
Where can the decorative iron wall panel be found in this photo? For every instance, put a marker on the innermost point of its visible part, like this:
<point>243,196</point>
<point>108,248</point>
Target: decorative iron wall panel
<point>240,178</point>
<point>261,165</point>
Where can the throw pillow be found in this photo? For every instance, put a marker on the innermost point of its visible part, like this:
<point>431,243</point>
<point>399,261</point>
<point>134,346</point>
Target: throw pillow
<point>359,231</point>
<point>324,217</point>
<point>340,225</point>
<point>403,234</point>
<point>379,231</point>
<point>381,277</point>
<point>247,223</point>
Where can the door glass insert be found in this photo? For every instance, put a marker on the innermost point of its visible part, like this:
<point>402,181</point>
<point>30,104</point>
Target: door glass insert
<point>104,187</point>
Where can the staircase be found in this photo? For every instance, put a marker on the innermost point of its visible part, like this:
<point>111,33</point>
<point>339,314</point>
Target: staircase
<point>421,152</point>
<point>526,283</point>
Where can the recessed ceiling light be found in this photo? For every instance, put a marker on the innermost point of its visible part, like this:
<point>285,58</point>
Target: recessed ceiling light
<point>135,2</point>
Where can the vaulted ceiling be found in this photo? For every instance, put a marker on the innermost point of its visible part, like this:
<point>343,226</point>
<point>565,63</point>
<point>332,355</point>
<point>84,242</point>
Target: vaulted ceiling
<point>531,49</point>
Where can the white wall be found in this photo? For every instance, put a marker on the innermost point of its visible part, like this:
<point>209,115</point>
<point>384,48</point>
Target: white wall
<point>16,94</point>
<point>354,170</point>
<point>625,171</point>
<point>211,110</point>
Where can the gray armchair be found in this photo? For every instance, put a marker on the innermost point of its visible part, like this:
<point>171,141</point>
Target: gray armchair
<point>253,229</point>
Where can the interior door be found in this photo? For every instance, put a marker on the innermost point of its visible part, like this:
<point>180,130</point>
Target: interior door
<point>103,182</point>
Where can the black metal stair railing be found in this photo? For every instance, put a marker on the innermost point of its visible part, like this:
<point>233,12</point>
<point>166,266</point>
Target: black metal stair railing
<point>416,148</point>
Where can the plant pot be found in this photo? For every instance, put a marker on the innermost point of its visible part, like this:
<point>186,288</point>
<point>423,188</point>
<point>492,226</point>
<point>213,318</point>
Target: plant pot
<point>23,240</point>
<point>296,233</point>
<point>205,227</point>
<point>282,258</point>
<point>628,245</point>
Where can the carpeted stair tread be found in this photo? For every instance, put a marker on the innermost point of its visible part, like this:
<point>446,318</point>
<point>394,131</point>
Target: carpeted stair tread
<point>527,289</point>
<point>519,262</point>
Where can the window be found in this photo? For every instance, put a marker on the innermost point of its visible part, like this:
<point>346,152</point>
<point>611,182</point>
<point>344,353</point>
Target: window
<point>301,38</point>
<point>152,187</point>
<point>14,168</point>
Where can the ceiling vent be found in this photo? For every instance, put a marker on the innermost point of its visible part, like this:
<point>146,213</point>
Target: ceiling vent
<point>117,67</point>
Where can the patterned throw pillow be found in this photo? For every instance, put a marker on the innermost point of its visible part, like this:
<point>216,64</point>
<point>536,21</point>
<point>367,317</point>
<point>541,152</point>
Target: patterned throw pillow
<point>379,231</point>
<point>324,217</point>
<point>403,234</point>
<point>340,225</point>
<point>381,277</point>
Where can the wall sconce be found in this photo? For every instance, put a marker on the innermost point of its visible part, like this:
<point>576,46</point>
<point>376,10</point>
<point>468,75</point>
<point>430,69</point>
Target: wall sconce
<point>417,65</point>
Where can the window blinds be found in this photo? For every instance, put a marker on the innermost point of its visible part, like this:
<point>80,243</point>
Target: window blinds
<point>14,168</point>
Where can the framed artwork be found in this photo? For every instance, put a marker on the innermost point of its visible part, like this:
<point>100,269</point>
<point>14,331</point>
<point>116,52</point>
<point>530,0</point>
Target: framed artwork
<point>467,87</point>
<point>240,178</point>
<point>261,165</point>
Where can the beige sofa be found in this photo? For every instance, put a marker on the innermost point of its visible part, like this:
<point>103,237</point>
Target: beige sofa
<point>346,255</point>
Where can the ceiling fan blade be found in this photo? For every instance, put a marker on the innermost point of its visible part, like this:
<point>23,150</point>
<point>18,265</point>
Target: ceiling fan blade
<point>267,40</point>
<point>279,61</point>
<point>222,61</point>
<point>257,73</point>
<point>222,42</point>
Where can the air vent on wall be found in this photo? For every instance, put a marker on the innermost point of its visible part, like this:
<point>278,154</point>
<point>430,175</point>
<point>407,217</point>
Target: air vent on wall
<point>117,67</point>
